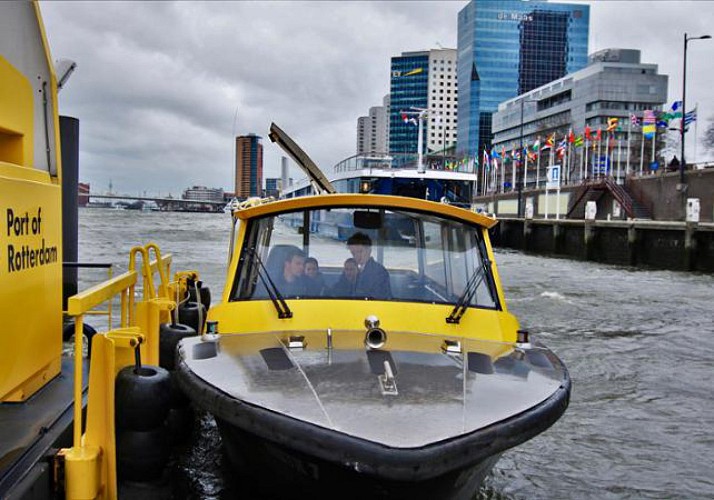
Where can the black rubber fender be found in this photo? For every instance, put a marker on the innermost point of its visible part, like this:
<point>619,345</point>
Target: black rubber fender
<point>87,330</point>
<point>142,455</point>
<point>169,337</point>
<point>179,424</point>
<point>203,291</point>
<point>141,397</point>
<point>188,315</point>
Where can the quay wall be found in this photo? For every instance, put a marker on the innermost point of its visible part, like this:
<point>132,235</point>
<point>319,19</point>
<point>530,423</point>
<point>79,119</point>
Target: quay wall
<point>678,246</point>
<point>660,193</point>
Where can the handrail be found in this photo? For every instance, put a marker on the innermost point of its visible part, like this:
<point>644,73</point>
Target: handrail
<point>139,327</point>
<point>621,196</point>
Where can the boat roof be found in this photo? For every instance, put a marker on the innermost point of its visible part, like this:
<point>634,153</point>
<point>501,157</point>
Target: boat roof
<point>260,209</point>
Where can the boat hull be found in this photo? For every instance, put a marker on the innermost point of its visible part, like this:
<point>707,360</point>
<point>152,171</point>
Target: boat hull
<point>297,459</point>
<point>284,472</point>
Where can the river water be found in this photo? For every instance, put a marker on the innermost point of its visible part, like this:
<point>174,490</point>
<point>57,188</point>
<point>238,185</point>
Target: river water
<point>639,345</point>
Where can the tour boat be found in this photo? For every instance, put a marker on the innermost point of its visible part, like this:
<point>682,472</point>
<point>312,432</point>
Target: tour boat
<point>383,364</point>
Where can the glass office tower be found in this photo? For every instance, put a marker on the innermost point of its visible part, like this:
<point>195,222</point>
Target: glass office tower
<point>408,88</point>
<point>508,47</point>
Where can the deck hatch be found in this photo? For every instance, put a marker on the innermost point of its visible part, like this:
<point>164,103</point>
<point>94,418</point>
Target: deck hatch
<point>276,359</point>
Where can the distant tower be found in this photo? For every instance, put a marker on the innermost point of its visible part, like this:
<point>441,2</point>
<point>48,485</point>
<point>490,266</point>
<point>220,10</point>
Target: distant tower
<point>249,166</point>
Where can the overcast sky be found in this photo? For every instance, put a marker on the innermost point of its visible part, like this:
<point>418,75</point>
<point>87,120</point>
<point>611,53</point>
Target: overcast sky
<point>162,88</point>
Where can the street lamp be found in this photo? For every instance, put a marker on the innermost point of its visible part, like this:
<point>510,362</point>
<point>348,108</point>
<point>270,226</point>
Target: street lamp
<point>683,162</point>
<point>521,176</point>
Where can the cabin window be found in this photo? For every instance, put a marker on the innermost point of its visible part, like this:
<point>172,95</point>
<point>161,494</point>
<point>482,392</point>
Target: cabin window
<point>363,253</point>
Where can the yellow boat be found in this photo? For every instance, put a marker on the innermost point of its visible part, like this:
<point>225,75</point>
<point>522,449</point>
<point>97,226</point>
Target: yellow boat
<point>363,347</point>
<point>68,429</point>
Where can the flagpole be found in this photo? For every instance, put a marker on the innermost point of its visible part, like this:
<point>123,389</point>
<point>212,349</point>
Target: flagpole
<point>540,150</point>
<point>502,187</point>
<point>654,140</point>
<point>513,173</point>
<point>695,130</point>
<point>619,159</point>
<point>585,168</point>
<point>629,130</point>
<point>582,164</point>
<point>642,148</point>
<point>525,171</point>
<point>599,151</point>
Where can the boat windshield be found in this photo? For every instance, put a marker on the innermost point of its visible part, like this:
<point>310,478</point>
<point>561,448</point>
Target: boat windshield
<point>356,253</point>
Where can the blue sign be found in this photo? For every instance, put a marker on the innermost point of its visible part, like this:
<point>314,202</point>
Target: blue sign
<point>602,165</point>
<point>654,165</point>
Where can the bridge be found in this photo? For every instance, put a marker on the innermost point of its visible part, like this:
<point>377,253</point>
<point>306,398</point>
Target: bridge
<point>164,204</point>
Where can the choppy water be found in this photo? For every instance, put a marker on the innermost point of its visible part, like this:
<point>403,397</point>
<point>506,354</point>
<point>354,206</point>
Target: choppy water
<point>639,346</point>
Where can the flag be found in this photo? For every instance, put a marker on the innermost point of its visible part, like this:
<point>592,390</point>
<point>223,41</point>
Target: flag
<point>587,132</point>
<point>579,141</point>
<point>560,150</point>
<point>690,117</point>
<point>486,159</point>
<point>648,123</point>
<point>676,105</point>
<point>571,136</point>
<point>494,153</point>
<point>612,124</point>
<point>549,142</point>
<point>634,121</point>
<point>598,135</point>
<point>406,119</point>
<point>536,144</point>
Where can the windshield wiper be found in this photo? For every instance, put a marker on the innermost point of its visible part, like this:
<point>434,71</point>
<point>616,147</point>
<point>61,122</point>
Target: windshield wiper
<point>276,298</point>
<point>471,286</point>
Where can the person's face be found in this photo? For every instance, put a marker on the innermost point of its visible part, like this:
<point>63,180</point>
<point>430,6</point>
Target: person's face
<point>294,267</point>
<point>351,271</point>
<point>311,269</point>
<point>360,253</point>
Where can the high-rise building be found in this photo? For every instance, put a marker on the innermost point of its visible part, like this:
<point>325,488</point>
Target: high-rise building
<point>508,47</point>
<point>423,80</point>
<point>373,130</point>
<point>249,166</point>
<point>614,84</point>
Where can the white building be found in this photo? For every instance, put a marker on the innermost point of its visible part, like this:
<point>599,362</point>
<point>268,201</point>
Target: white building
<point>442,99</point>
<point>373,130</point>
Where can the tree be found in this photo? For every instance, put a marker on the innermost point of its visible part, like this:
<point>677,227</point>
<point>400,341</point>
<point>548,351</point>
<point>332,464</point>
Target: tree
<point>708,139</point>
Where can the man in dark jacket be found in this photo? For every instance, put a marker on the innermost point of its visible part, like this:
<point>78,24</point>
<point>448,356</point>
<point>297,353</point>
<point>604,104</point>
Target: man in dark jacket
<point>373,278</point>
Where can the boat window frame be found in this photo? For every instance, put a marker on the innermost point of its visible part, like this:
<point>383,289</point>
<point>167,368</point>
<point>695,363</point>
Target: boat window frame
<point>478,230</point>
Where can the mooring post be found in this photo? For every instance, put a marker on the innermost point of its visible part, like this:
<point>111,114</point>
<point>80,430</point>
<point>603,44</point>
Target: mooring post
<point>632,236</point>
<point>526,234</point>
<point>589,239</point>
<point>557,238</point>
<point>690,246</point>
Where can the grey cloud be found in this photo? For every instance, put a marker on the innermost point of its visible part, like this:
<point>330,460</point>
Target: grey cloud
<point>159,83</point>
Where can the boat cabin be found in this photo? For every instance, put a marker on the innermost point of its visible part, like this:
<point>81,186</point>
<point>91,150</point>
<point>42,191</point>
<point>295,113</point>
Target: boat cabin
<point>294,254</point>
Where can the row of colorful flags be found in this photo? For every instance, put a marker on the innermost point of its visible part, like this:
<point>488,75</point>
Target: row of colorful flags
<point>649,123</point>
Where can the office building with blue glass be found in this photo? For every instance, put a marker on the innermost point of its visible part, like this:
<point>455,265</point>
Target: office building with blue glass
<point>507,48</point>
<point>408,89</point>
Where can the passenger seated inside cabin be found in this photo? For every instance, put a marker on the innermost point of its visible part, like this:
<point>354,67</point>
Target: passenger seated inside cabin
<point>292,282</point>
<point>345,285</point>
<point>315,282</point>
<point>373,278</point>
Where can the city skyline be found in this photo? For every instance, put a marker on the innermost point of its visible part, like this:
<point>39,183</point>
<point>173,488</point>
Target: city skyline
<point>162,89</point>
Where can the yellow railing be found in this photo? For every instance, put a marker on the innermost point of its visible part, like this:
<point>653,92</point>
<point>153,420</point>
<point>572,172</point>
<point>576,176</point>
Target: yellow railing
<point>90,464</point>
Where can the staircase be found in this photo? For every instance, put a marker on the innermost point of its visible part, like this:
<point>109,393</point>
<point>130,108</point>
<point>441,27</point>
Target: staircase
<point>593,190</point>
<point>630,205</point>
<point>589,191</point>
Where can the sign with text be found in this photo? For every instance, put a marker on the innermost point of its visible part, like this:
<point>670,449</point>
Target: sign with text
<point>552,177</point>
